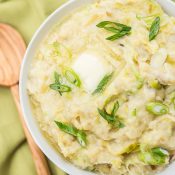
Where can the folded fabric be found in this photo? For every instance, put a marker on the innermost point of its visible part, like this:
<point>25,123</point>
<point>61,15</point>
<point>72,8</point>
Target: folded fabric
<point>15,156</point>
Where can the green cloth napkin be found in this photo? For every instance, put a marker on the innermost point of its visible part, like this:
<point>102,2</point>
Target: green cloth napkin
<point>15,156</point>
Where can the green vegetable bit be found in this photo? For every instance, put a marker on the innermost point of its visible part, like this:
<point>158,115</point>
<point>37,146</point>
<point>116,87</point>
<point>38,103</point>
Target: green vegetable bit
<point>60,88</point>
<point>154,30</point>
<point>72,77</point>
<point>157,108</point>
<point>69,129</point>
<point>81,137</point>
<point>160,151</point>
<point>117,26</point>
<point>118,29</point>
<point>115,108</point>
<point>118,35</point>
<point>57,78</point>
<point>57,86</point>
<point>103,83</point>
<point>156,156</point>
<point>112,118</point>
<point>106,116</point>
<point>155,84</point>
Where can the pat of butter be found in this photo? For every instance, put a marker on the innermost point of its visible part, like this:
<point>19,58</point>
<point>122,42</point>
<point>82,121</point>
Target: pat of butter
<point>91,69</point>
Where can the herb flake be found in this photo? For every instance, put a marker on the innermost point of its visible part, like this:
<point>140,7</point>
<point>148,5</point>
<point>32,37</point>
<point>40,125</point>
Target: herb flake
<point>69,129</point>
<point>112,118</point>
<point>103,83</point>
<point>58,86</point>
<point>154,30</point>
<point>119,30</point>
<point>155,156</point>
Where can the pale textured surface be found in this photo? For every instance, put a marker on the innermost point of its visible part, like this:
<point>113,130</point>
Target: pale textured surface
<point>136,63</point>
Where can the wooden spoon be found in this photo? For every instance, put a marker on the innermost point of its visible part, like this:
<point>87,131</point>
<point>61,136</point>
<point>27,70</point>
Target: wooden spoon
<point>12,49</point>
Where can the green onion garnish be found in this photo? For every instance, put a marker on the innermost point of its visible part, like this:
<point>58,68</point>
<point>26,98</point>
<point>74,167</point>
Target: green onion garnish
<point>103,83</point>
<point>119,30</point>
<point>112,118</point>
<point>58,86</point>
<point>154,30</point>
<point>69,129</point>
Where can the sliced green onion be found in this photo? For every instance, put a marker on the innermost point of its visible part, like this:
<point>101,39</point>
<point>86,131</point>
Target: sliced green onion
<point>57,86</point>
<point>72,77</point>
<point>81,137</point>
<point>118,30</point>
<point>156,156</point>
<point>109,118</point>
<point>140,81</point>
<point>57,78</point>
<point>103,83</point>
<point>115,108</point>
<point>119,124</point>
<point>151,159</point>
<point>117,26</point>
<point>60,88</point>
<point>113,120</point>
<point>69,129</point>
<point>118,35</point>
<point>157,108</point>
<point>154,30</point>
<point>160,151</point>
<point>111,29</point>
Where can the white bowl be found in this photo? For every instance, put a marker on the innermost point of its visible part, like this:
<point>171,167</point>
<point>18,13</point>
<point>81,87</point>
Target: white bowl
<point>48,150</point>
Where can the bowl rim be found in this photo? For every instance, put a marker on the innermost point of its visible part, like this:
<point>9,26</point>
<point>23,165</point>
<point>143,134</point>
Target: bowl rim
<point>32,125</point>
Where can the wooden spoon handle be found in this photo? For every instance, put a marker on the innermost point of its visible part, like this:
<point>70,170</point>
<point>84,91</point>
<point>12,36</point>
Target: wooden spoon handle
<point>38,157</point>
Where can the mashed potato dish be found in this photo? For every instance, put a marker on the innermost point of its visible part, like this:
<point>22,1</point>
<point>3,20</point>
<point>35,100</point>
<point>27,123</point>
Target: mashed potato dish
<point>102,87</point>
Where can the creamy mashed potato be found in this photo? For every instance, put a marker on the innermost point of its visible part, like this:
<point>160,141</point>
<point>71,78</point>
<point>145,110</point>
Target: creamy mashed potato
<point>108,103</point>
